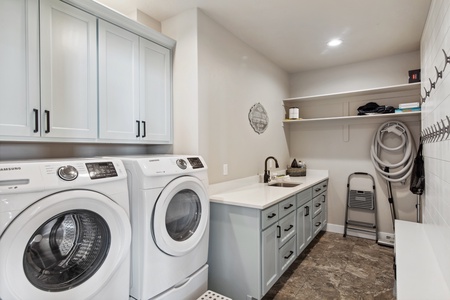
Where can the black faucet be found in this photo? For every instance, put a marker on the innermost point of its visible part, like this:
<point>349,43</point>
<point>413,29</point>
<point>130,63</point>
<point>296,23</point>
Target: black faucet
<point>266,172</point>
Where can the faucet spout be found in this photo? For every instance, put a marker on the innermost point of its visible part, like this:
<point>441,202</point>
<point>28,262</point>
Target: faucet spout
<point>267,172</point>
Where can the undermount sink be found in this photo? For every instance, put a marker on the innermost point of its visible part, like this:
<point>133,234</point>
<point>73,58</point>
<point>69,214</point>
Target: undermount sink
<point>285,184</point>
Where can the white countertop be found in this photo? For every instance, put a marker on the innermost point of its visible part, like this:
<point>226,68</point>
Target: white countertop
<point>248,192</point>
<point>418,273</point>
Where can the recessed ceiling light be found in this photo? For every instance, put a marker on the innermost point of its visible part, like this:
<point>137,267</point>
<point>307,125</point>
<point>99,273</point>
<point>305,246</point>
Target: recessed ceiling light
<point>334,43</point>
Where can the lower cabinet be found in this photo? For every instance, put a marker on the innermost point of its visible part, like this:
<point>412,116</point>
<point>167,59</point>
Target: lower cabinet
<point>250,248</point>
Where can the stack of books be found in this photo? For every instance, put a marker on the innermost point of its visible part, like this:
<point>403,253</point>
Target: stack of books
<point>407,107</point>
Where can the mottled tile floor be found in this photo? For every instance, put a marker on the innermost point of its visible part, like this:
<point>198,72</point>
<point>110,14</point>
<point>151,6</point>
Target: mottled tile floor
<point>334,267</point>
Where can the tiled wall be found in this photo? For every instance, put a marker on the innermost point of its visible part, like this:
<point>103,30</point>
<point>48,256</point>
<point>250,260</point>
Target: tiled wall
<point>436,201</point>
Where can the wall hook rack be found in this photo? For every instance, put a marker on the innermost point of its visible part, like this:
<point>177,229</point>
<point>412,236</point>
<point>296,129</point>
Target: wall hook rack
<point>439,74</point>
<point>436,132</point>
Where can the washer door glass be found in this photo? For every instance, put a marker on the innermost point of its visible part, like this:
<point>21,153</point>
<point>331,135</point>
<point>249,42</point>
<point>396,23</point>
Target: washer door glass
<point>183,215</point>
<point>66,250</point>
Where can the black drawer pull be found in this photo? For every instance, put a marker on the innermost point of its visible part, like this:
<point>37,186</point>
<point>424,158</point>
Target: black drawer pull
<point>138,129</point>
<point>324,186</point>
<point>272,215</point>
<point>289,206</point>
<point>144,130</point>
<point>290,254</point>
<point>47,115</point>
<point>318,189</point>
<point>318,204</point>
<point>279,231</point>
<point>36,120</point>
<point>307,211</point>
<point>289,228</point>
<point>318,224</point>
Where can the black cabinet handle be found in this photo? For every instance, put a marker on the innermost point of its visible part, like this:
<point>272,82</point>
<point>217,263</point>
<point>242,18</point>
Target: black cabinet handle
<point>47,116</point>
<point>324,186</point>
<point>289,228</point>
<point>272,215</point>
<point>307,211</point>
<point>279,231</point>
<point>323,200</point>
<point>36,120</point>
<point>138,128</point>
<point>290,254</point>
<point>289,206</point>
<point>144,129</point>
<point>318,204</point>
<point>318,189</point>
<point>318,224</point>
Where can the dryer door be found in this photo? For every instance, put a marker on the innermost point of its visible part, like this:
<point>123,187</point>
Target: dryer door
<point>181,216</point>
<point>65,246</point>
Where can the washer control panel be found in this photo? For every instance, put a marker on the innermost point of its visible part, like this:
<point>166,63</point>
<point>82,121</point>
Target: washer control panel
<point>101,170</point>
<point>195,162</point>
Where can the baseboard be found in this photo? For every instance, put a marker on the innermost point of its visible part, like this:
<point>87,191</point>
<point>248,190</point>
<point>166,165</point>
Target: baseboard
<point>384,238</point>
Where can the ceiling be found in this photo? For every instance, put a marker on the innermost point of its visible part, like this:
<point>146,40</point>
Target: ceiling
<point>294,33</point>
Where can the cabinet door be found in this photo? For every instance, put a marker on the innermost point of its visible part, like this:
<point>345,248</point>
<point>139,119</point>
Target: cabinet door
<point>270,263</point>
<point>68,71</point>
<point>118,52</point>
<point>155,92</point>
<point>19,71</point>
<point>304,229</point>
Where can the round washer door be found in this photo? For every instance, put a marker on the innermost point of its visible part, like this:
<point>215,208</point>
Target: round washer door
<point>181,215</point>
<point>65,246</point>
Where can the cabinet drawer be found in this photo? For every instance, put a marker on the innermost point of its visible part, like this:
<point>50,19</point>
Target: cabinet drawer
<point>286,206</point>
<point>317,205</point>
<point>269,216</point>
<point>319,188</point>
<point>304,197</point>
<point>317,224</point>
<point>287,255</point>
<point>287,228</point>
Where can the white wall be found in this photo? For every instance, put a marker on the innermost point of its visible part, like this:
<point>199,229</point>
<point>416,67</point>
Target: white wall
<point>232,77</point>
<point>322,145</point>
<point>436,204</point>
<point>391,70</point>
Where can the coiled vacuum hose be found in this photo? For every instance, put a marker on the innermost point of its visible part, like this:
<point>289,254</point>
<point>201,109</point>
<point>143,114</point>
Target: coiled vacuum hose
<point>403,168</point>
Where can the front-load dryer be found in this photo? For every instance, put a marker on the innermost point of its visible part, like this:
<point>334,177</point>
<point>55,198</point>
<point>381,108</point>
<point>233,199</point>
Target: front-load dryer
<point>170,221</point>
<point>65,231</point>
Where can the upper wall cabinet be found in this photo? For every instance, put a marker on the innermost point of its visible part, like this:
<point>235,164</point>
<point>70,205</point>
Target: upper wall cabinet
<point>68,71</point>
<point>76,71</point>
<point>19,71</point>
<point>134,87</point>
<point>118,51</point>
<point>155,92</point>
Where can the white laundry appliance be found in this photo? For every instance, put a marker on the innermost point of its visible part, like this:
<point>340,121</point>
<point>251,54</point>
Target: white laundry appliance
<point>170,222</point>
<point>65,231</point>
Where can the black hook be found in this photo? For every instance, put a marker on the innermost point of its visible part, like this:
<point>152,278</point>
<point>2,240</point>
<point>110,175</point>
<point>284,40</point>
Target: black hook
<point>433,84</point>
<point>439,74</point>
<point>447,59</point>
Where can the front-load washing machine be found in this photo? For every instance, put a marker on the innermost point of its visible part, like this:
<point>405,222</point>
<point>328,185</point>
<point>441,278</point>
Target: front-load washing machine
<point>65,231</point>
<point>170,221</point>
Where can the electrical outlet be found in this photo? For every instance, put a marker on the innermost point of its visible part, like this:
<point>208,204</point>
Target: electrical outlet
<point>225,169</point>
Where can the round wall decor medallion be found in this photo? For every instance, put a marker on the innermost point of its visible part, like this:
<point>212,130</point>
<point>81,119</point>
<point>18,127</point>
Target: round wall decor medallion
<point>259,120</point>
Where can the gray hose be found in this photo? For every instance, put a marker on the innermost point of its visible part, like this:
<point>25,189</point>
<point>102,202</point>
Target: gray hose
<point>404,167</point>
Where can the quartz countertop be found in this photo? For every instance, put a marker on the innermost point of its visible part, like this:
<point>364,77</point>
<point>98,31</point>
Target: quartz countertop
<point>249,192</point>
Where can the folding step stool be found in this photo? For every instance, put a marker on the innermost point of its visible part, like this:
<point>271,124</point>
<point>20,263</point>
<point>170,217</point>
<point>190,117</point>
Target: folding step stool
<point>363,201</point>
